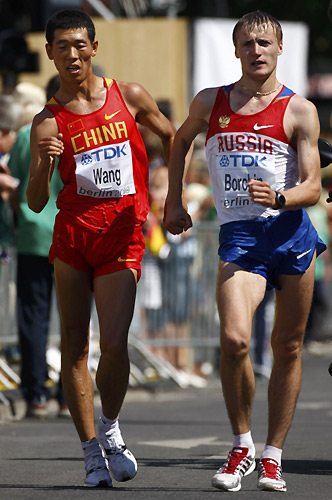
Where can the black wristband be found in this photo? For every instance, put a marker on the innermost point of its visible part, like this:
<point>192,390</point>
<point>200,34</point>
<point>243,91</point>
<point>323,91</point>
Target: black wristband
<point>280,200</point>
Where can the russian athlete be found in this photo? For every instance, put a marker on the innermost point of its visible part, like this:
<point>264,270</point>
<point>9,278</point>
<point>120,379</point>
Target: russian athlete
<point>263,159</point>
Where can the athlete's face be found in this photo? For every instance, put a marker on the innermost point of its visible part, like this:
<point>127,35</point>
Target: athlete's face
<point>71,52</point>
<point>258,50</point>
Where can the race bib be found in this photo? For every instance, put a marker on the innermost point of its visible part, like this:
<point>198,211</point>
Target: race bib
<point>235,169</point>
<point>105,172</point>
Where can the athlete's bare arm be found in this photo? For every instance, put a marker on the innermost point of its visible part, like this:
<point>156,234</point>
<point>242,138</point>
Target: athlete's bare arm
<point>45,144</point>
<point>146,112</point>
<point>302,128</point>
<point>176,218</point>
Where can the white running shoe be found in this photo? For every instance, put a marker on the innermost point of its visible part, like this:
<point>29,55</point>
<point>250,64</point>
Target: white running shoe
<point>121,462</point>
<point>238,464</point>
<point>269,475</point>
<point>97,475</point>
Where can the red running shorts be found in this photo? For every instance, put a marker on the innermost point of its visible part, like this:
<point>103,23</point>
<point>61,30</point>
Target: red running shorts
<point>101,252</point>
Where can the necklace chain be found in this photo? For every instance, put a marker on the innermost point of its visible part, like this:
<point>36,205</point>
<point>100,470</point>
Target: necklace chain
<point>258,94</point>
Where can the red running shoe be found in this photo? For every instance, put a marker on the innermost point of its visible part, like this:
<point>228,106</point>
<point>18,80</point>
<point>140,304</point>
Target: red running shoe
<point>269,475</point>
<point>238,464</point>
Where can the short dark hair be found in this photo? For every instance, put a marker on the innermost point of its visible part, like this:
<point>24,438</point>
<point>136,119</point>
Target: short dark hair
<point>258,18</point>
<point>69,19</point>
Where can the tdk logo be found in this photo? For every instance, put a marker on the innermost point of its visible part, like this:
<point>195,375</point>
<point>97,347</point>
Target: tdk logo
<point>86,159</point>
<point>243,160</point>
<point>104,154</point>
<point>224,161</point>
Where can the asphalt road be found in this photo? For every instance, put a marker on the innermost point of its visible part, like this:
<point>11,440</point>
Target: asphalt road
<point>180,437</point>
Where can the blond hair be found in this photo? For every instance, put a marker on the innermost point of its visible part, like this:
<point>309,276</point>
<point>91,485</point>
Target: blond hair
<point>257,18</point>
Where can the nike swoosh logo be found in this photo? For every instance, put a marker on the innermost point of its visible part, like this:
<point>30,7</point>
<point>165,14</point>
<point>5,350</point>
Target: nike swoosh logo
<point>120,259</point>
<point>259,127</point>
<point>108,117</point>
<point>303,254</point>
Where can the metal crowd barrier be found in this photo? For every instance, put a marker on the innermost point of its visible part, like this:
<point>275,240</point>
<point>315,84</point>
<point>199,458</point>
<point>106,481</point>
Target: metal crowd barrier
<point>176,297</point>
<point>175,308</point>
<point>8,325</point>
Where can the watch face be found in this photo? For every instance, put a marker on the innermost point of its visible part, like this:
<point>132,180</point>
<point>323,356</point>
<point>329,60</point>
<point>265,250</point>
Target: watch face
<point>280,200</point>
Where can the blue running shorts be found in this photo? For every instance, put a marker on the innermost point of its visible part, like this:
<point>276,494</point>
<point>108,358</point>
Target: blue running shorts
<point>284,244</point>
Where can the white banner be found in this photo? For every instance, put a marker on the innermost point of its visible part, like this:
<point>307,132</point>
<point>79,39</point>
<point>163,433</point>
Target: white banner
<point>215,64</point>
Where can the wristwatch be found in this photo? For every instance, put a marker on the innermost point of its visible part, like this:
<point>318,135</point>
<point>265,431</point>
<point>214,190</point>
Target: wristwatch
<point>280,200</point>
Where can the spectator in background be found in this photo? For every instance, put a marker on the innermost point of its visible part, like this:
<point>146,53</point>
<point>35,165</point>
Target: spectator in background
<point>10,113</point>
<point>172,257</point>
<point>166,292</point>
<point>320,300</point>
<point>198,174</point>
<point>153,144</point>
<point>31,98</point>
<point>156,250</point>
<point>34,272</point>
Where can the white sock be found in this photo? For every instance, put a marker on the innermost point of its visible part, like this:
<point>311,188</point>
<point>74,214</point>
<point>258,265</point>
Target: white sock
<point>272,452</point>
<point>245,441</point>
<point>91,448</point>
<point>110,422</point>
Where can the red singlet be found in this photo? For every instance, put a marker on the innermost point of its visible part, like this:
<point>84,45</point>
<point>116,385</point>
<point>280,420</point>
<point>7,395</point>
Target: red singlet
<point>104,166</point>
<point>104,201</point>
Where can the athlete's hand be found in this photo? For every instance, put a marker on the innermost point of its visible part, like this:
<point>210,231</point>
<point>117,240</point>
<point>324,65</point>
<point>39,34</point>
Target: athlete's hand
<point>176,219</point>
<point>49,147</point>
<point>261,192</point>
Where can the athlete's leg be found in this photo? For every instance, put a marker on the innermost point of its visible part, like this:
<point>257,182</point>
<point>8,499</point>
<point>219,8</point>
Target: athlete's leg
<point>74,296</point>
<point>115,299</point>
<point>238,294</point>
<point>292,309</point>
